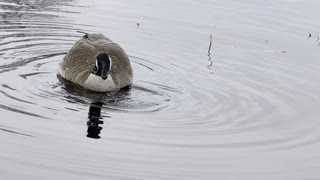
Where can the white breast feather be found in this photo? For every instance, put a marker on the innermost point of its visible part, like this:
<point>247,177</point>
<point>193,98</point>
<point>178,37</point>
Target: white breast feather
<point>96,83</point>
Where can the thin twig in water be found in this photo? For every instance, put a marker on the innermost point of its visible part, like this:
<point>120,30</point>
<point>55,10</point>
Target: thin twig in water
<point>209,49</point>
<point>211,38</point>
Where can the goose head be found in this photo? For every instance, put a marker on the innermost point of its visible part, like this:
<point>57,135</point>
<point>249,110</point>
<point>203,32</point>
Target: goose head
<point>102,66</point>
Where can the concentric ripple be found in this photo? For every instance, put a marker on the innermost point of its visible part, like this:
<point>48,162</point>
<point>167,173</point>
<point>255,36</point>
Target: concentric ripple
<point>248,102</point>
<point>229,102</point>
<point>34,70</point>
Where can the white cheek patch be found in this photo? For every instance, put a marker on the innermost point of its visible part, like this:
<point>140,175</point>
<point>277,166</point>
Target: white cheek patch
<point>110,63</point>
<point>97,64</point>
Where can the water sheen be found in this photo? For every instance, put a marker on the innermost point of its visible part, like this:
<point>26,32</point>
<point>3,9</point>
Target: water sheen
<point>245,109</point>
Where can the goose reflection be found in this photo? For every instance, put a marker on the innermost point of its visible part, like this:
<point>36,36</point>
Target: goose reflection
<point>112,101</point>
<point>95,117</point>
<point>95,120</point>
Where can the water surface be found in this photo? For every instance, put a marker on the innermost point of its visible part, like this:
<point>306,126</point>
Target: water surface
<point>245,109</point>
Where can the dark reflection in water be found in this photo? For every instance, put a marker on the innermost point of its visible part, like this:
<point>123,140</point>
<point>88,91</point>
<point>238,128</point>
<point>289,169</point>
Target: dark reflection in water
<point>77,94</point>
<point>94,116</point>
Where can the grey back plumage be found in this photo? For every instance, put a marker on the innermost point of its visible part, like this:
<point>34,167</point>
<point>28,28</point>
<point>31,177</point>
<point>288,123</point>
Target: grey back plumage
<point>79,63</point>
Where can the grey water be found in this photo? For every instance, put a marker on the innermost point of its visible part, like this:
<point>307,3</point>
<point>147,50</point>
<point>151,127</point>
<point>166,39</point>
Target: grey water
<point>247,108</point>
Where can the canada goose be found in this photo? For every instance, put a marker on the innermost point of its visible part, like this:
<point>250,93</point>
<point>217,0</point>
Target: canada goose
<point>97,63</point>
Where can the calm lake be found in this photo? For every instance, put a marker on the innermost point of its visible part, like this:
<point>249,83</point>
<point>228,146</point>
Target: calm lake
<point>245,107</point>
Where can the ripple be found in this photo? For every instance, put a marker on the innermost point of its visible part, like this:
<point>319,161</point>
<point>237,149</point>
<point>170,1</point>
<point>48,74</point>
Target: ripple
<point>36,63</point>
<point>17,110</point>
<point>191,103</point>
<point>248,100</point>
<point>14,132</point>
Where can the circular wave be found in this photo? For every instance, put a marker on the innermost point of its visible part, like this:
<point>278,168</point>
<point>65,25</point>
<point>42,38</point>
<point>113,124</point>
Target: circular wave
<point>29,75</point>
<point>176,98</point>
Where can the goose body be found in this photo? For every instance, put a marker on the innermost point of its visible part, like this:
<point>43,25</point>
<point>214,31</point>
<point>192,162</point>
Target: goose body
<point>97,63</point>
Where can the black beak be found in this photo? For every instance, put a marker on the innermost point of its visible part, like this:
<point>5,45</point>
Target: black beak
<point>104,74</point>
<point>104,77</point>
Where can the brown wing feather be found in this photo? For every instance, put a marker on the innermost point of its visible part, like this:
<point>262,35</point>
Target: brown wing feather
<point>79,62</point>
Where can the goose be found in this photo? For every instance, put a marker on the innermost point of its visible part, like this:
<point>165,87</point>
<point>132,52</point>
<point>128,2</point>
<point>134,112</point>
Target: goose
<point>96,63</point>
